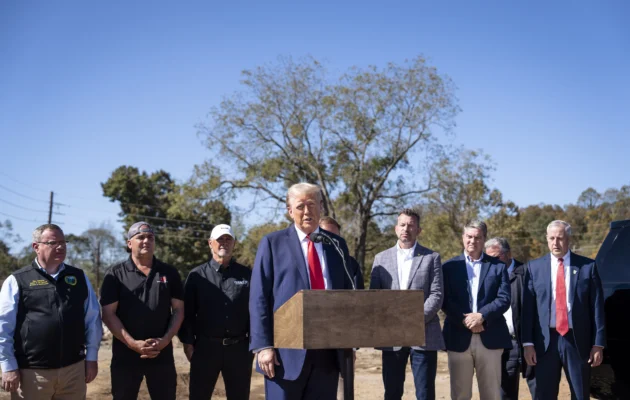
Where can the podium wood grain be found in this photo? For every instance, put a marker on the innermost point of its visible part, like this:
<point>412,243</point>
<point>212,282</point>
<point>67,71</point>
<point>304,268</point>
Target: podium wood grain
<point>336,319</point>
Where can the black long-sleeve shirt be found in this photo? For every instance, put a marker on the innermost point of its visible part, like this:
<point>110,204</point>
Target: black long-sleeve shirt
<point>216,302</point>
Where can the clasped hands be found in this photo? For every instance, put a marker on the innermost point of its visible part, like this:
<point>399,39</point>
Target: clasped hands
<point>474,322</point>
<point>149,348</point>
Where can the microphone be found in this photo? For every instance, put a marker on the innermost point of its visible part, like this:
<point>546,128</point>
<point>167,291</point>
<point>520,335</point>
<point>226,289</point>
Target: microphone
<point>321,237</point>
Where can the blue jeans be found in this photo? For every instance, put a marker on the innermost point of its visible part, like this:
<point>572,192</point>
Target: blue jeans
<point>423,366</point>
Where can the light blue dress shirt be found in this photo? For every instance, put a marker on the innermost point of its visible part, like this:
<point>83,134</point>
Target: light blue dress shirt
<point>9,297</point>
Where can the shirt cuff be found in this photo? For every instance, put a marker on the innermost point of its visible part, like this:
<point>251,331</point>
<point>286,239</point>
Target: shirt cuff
<point>527,344</point>
<point>10,364</point>
<point>91,354</point>
<point>256,351</point>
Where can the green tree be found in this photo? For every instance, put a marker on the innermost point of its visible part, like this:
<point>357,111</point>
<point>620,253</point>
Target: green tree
<point>360,137</point>
<point>182,214</point>
<point>94,250</point>
<point>462,193</point>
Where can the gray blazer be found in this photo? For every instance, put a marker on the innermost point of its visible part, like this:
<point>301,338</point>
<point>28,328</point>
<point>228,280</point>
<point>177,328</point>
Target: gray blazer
<point>425,274</point>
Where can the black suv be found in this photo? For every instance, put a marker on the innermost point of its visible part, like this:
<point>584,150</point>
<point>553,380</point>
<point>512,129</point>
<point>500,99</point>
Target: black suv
<point>611,380</point>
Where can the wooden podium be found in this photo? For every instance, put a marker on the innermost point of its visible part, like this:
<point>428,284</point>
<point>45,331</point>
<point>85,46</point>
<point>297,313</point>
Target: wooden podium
<point>347,319</point>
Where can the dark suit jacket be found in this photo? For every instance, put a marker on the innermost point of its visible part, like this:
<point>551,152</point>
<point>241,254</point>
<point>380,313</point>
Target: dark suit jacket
<point>493,300</point>
<point>517,278</point>
<point>357,273</point>
<point>586,297</point>
<point>279,272</point>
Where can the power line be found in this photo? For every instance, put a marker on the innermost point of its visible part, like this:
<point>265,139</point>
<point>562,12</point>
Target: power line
<point>22,183</point>
<point>22,195</point>
<point>23,219</point>
<point>23,208</point>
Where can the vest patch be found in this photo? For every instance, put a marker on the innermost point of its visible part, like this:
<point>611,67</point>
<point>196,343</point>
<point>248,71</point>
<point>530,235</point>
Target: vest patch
<point>71,280</point>
<point>39,282</point>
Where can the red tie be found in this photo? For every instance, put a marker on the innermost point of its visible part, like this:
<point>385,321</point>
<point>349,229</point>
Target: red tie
<point>562,319</point>
<point>314,267</point>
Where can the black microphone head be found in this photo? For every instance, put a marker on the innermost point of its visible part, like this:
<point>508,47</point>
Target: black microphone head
<point>317,237</point>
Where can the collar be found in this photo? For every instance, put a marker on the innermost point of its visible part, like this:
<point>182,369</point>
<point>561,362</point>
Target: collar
<point>62,266</point>
<point>565,258</point>
<point>216,266</point>
<point>131,266</point>
<point>405,251</point>
<point>301,234</point>
<point>511,267</point>
<point>468,258</point>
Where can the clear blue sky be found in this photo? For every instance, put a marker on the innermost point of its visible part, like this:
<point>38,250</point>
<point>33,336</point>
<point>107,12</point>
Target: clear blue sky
<point>85,87</point>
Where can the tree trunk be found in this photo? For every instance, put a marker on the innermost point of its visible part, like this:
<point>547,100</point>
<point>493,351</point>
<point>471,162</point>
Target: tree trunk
<point>361,242</point>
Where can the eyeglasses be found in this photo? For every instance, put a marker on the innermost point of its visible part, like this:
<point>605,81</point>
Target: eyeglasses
<point>55,243</point>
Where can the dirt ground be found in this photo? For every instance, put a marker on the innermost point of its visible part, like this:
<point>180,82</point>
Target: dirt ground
<point>368,383</point>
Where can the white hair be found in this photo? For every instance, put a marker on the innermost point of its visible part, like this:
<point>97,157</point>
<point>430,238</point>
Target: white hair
<point>303,188</point>
<point>564,225</point>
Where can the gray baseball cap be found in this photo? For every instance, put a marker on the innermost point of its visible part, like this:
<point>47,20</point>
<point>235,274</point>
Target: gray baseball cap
<point>135,229</point>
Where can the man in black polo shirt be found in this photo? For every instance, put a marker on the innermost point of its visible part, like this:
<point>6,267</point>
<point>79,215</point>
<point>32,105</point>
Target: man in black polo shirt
<point>215,331</point>
<point>143,307</point>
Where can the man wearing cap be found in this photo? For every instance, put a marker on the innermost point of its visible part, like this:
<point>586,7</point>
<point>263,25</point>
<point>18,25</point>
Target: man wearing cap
<point>50,325</point>
<point>143,307</point>
<point>215,331</point>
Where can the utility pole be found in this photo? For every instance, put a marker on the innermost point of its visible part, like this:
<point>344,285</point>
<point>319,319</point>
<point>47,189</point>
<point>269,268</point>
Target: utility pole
<point>50,208</point>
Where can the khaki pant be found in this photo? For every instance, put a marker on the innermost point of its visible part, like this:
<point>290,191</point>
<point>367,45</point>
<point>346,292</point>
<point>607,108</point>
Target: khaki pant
<point>487,365</point>
<point>67,383</point>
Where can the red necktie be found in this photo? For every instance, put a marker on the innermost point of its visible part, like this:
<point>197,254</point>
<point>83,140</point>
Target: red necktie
<point>562,316</point>
<point>314,267</point>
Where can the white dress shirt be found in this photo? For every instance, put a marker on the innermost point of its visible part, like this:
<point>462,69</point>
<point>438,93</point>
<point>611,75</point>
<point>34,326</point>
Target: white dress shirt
<point>9,298</point>
<point>473,268</point>
<point>566,260</point>
<point>567,282</point>
<point>320,253</point>
<point>405,259</point>
<point>508,313</point>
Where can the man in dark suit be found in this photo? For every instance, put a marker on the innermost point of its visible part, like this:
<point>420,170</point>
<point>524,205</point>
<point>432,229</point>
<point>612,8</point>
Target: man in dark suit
<point>476,295</point>
<point>563,316</point>
<point>287,261</point>
<point>512,363</point>
<point>331,225</point>
<point>410,266</point>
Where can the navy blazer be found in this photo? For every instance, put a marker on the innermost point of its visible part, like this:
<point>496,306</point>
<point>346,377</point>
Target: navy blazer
<point>586,297</point>
<point>493,300</point>
<point>279,272</point>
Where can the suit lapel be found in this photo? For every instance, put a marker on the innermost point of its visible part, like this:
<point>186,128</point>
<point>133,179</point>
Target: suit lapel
<point>485,267</point>
<point>298,255</point>
<point>546,278</point>
<point>334,265</point>
<point>392,266</point>
<point>573,277</point>
<point>417,258</point>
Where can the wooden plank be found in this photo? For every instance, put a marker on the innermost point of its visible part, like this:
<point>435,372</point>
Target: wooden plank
<point>348,318</point>
<point>288,326</point>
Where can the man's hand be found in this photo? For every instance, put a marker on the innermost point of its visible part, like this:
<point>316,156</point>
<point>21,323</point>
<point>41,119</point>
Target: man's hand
<point>159,343</point>
<point>596,357</point>
<point>91,370</point>
<point>144,348</point>
<point>11,380</point>
<point>473,320</point>
<point>477,329</point>
<point>188,351</point>
<point>267,361</point>
<point>530,355</point>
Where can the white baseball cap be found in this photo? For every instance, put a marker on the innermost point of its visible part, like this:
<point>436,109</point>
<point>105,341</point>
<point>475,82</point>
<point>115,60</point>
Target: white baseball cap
<point>220,230</point>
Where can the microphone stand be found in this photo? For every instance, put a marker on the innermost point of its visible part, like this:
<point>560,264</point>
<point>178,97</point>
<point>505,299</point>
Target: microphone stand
<point>348,354</point>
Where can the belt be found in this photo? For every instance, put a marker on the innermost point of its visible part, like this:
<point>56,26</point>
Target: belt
<point>228,341</point>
